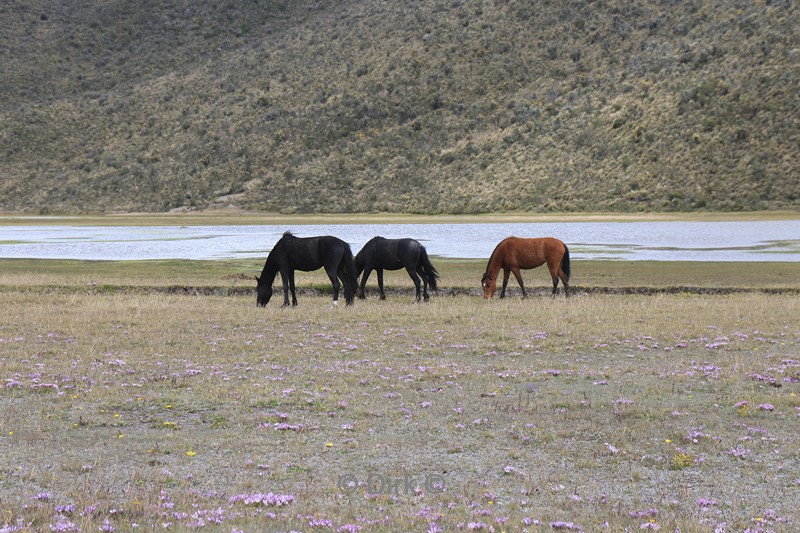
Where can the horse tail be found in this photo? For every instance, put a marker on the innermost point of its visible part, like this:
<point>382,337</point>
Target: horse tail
<point>430,272</point>
<point>347,273</point>
<point>565,262</point>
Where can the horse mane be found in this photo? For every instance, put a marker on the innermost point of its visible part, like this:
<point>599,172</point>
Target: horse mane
<point>487,273</point>
<point>287,234</point>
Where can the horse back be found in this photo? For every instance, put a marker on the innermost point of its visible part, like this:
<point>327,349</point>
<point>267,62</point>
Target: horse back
<point>312,253</point>
<point>390,254</point>
<point>531,253</point>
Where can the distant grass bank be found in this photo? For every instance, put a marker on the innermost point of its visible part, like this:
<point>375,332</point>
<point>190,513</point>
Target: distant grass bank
<point>463,275</point>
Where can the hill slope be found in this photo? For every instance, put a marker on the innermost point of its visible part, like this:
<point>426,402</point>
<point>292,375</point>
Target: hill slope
<point>407,106</point>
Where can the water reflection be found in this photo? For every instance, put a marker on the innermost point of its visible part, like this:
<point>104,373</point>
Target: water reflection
<point>659,241</point>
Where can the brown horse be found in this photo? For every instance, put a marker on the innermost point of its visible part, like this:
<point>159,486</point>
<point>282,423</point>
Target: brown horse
<point>515,253</point>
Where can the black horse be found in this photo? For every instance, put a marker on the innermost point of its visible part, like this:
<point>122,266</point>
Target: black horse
<point>393,254</point>
<point>310,253</point>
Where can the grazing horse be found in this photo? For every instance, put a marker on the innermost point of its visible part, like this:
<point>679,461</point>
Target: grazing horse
<point>381,254</point>
<point>514,253</point>
<point>310,253</point>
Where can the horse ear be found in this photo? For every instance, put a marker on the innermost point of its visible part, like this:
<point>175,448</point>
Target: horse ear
<point>258,280</point>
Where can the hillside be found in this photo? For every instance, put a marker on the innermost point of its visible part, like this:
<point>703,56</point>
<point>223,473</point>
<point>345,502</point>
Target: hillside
<point>451,106</point>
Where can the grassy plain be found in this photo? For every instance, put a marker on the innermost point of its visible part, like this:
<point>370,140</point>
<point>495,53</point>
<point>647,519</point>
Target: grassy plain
<point>125,407</point>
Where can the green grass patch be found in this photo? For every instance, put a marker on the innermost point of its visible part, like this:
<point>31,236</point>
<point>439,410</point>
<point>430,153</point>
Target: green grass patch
<point>455,273</point>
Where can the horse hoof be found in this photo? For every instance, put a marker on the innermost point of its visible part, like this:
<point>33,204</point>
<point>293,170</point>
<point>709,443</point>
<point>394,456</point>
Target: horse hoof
<point>336,302</point>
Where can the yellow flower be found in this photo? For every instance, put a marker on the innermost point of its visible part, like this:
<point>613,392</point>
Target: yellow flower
<point>682,460</point>
<point>667,441</point>
<point>329,444</point>
<point>191,453</point>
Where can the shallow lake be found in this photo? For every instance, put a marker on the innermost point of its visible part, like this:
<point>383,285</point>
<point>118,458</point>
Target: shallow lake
<point>659,241</point>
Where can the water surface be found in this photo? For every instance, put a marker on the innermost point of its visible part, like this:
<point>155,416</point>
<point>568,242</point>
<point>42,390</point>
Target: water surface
<point>659,241</point>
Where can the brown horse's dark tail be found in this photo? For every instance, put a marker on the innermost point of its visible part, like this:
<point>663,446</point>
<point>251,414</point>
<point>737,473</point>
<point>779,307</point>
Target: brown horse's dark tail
<point>565,262</point>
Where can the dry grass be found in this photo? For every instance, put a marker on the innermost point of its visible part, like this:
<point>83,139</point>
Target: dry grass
<point>174,411</point>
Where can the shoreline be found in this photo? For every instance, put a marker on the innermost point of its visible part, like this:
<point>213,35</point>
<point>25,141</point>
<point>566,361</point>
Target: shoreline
<point>241,218</point>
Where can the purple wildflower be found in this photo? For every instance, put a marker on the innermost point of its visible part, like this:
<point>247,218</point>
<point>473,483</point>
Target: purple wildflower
<point>433,528</point>
<point>705,502</point>
<point>765,379</point>
<point>64,525</point>
<point>695,436</point>
<point>739,453</point>
<point>269,499</point>
<point>283,426</point>
<point>644,514</point>
<point>560,524</point>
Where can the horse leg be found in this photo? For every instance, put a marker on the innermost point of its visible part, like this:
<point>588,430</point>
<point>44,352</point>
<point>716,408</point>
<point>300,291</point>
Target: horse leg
<point>565,280</point>
<point>415,278</point>
<point>555,273</point>
<point>291,288</point>
<point>379,271</point>
<point>334,277</point>
<point>421,273</point>
<point>364,278</point>
<point>506,273</point>
<point>518,275</point>
<point>285,283</point>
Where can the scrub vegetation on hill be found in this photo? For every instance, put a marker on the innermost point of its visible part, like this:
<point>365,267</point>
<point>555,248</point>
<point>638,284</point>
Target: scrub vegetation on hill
<point>457,106</point>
